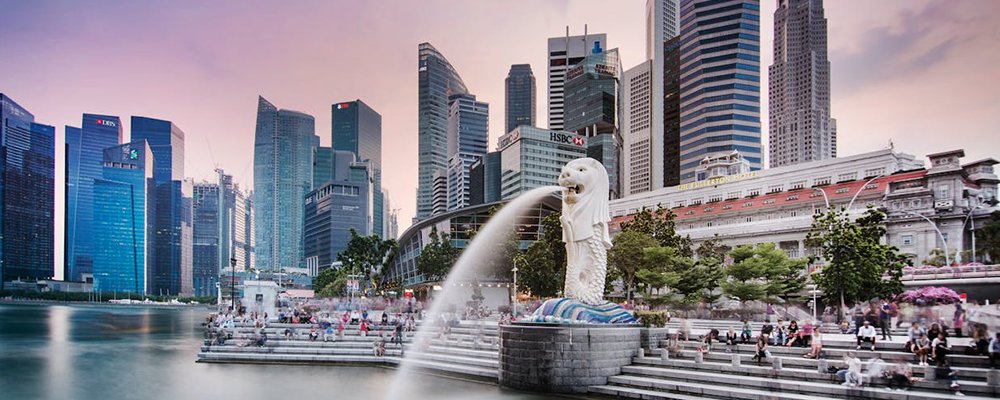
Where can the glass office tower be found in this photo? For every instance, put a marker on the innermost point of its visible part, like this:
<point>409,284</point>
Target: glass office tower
<point>27,189</point>
<point>282,169</point>
<point>357,128</point>
<point>172,268</point>
<point>84,157</point>
<point>124,219</point>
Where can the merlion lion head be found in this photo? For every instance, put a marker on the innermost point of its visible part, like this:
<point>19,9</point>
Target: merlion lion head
<point>585,197</point>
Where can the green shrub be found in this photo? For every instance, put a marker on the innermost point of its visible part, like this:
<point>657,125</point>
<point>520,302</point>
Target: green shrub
<point>651,319</point>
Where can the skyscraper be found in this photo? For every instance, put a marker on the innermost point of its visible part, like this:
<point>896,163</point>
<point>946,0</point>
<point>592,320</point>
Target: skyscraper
<point>84,156</point>
<point>592,109</point>
<point>335,208</point>
<point>172,268</point>
<point>519,97</point>
<point>322,170</point>
<point>720,82</point>
<point>662,24</point>
<point>437,80</point>
<point>468,125</point>
<point>637,129</point>
<point>243,231</point>
<point>564,53</point>
<point>671,152</point>
<point>27,188</point>
<point>800,127</point>
<point>521,170</point>
<point>358,128</point>
<point>282,169</point>
<point>123,215</point>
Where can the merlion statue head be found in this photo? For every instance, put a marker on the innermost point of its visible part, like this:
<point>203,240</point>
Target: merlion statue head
<point>585,199</point>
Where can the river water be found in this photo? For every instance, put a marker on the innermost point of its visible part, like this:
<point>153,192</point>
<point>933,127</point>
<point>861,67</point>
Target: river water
<point>115,352</point>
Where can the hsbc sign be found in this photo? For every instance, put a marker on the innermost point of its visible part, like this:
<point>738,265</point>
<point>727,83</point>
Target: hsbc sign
<point>106,122</point>
<point>567,139</point>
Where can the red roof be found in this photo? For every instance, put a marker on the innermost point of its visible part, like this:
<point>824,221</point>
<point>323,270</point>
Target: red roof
<point>808,195</point>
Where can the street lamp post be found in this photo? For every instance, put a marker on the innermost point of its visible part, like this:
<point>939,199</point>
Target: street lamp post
<point>814,291</point>
<point>232,289</point>
<point>514,307</point>
<point>973,230</point>
<point>825,198</point>
<point>947,259</point>
<point>859,191</point>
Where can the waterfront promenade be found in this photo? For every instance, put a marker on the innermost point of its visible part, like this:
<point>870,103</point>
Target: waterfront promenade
<point>471,350</point>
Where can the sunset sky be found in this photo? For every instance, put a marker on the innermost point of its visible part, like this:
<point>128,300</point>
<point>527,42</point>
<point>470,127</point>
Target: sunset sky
<point>922,73</point>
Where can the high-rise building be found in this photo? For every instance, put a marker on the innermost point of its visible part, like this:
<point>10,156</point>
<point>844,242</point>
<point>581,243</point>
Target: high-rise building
<point>334,209</point>
<point>520,93</point>
<point>484,179</point>
<point>84,156</point>
<point>358,128</point>
<point>439,192</point>
<point>243,232</point>
<point>468,133</point>
<point>27,188</point>
<point>172,267</point>
<point>592,109</point>
<point>800,128</point>
<point>564,53</point>
<point>720,82</point>
<point>322,170</point>
<point>282,169</point>
<point>523,170</point>
<point>671,152</point>
<point>124,219</point>
<point>637,129</point>
<point>220,227</point>
<point>662,24</point>
<point>437,80</point>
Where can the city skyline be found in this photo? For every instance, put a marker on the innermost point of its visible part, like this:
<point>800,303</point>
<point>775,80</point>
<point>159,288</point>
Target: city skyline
<point>211,86</point>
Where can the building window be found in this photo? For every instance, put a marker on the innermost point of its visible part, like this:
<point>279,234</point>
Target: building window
<point>870,173</point>
<point>943,191</point>
<point>798,185</point>
<point>715,199</point>
<point>754,192</point>
<point>792,197</point>
<point>906,240</point>
<point>843,190</point>
<point>733,195</point>
<point>775,188</point>
<point>749,219</point>
<point>748,204</point>
<point>871,186</point>
<point>944,236</point>
<point>847,177</point>
<point>768,201</point>
<point>821,181</point>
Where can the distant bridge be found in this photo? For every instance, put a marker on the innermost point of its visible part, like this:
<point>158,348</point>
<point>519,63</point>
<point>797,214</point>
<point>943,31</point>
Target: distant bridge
<point>980,282</point>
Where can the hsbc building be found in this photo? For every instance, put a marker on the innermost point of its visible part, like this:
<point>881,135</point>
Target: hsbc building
<point>532,157</point>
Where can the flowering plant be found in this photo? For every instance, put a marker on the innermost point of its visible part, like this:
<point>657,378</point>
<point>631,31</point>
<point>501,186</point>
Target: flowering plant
<point>930,295</point>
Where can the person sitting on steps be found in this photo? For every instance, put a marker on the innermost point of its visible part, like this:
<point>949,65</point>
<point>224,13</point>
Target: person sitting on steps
<point>866,334</point>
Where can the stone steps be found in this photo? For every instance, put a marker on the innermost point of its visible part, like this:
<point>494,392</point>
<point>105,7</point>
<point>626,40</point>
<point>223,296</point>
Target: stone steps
<point>739,385</point>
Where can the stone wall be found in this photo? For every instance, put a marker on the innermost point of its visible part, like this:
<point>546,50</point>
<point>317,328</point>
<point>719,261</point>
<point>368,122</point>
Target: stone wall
<point>564,358</point>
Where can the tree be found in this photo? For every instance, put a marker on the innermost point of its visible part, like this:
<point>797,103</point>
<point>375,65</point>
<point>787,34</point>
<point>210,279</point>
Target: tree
<point>661,267</point>
<point>659,224</point>
<point>627,256</point>
<point>763,272</point>
<point>330,282</point>
<point>712,248</point>
<point>746,277</point>
<point>936,258</point>
<point>543,271</point>
<point>437,257</point>
<point>988,238</point>
<point>367,256</point>
<point>858,266</point>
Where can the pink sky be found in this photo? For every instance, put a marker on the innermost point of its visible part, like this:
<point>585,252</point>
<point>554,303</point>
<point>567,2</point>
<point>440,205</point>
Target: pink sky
<point>922,73</point>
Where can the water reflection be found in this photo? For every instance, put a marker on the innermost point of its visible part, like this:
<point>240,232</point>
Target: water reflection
<point>103,352</point>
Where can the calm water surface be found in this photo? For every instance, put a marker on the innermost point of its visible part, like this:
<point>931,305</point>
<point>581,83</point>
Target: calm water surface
<point>108,353</point>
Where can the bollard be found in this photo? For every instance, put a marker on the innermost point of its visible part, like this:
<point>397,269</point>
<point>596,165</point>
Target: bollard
<point>930,373</point>
<point>822,366</point>
<point>664,354</point>
<point>642,353</point>
<point>737,360</point>
<point>699,357</point>
<point>776,363</point>
<point>993,377</point>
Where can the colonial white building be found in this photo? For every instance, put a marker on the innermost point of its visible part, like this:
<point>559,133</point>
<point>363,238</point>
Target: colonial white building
<point>777,205</point>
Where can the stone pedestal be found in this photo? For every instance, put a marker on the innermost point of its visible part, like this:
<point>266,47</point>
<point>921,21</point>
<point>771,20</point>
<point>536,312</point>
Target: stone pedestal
<point>564,358</point>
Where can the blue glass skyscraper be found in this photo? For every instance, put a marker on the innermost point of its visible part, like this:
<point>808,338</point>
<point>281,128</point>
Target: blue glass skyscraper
<point>282,171</point>
<point>437,80</point>
<point>172,267</point>
<point>468,134</point>
<point>124,219</point>
<point>27,188</point>
<point>357,128</point>
<point>84,156</point>
<point>719,82</point>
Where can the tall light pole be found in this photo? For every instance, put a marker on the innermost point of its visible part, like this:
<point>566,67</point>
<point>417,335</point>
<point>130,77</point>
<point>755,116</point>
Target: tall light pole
<point>973,230</point>
<point>947,259</point>
<point>813,289</point>
<point>232,289</point>
<point>826,199</point>
<point>859,191</point>
<point>514,307</point>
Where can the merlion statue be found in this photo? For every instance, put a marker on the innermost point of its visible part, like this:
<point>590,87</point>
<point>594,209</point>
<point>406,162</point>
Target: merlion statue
<point>585,216</point>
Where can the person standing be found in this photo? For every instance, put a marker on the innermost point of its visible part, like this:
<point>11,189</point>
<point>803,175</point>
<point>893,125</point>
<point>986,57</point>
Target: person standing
<point>885,320</point>
<point>958,321</point>
<point>995,351</point>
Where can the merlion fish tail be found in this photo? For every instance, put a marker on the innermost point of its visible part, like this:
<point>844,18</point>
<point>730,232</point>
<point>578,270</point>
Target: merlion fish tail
<point>594,288</point>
